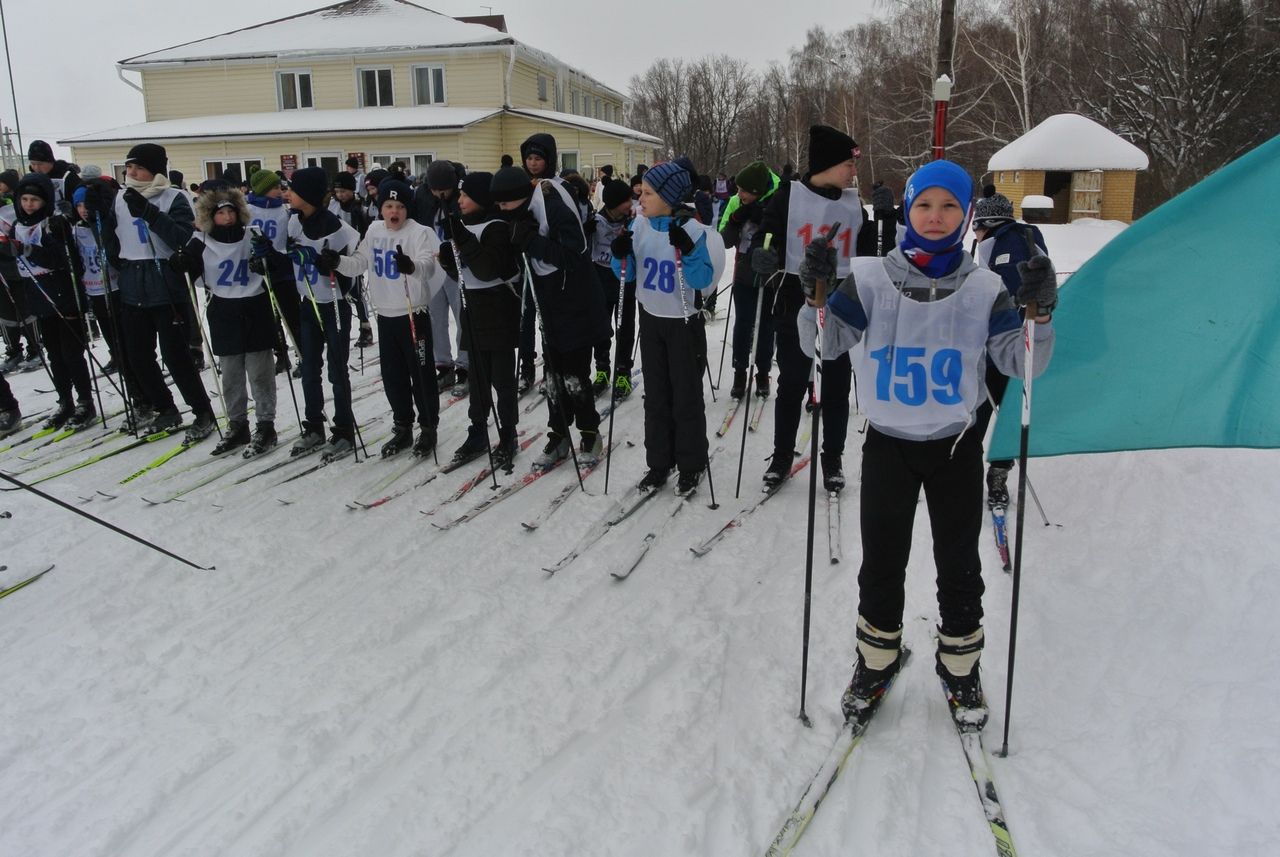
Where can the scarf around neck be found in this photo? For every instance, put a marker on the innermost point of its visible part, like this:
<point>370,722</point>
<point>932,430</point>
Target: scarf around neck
<point>159,184</point>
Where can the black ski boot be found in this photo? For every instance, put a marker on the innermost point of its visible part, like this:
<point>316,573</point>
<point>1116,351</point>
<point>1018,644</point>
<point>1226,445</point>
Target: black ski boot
<point>60,416</point>
<point>622,386</point>
<point>82,416</point>
<point>201,427</point>
<point>868,685</point>
<point>476,445</point>
<point>365,340</point>
<point>832,473</point>
<point>653,480</point>
<point>963,686</point>
<point>401,439</point>
<point>739,388</point>
<point>10,422</point>
<point>600,383</point>
<point>426,443</point>
<point>688,483</point>
<point>445,376</point>
<point>779,469</point>
<point>264,439</point>
<point>505,452</point>
<point>236,435</point>
<point>997,487</point>
<point>460,387</point>
<point>590,447</point>
<point>762,383</point>
<point>163,421</point>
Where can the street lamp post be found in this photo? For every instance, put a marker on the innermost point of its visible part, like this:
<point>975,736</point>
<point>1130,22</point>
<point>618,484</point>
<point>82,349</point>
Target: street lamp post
<point>941,98</point>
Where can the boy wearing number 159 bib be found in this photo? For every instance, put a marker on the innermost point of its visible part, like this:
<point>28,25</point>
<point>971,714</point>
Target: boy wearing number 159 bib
<point>924,320</point>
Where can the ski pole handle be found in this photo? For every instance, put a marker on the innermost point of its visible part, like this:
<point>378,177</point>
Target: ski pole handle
<point>820,286</point>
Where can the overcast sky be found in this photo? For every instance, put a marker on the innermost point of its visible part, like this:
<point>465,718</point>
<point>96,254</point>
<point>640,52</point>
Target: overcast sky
<point>64,51</point>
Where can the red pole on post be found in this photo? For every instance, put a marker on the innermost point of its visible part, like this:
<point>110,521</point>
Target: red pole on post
<point>941,98</point>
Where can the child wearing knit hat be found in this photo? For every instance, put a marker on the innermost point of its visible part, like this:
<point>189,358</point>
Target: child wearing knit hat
<point>799,212</point>
<point>325,317</point>
<point>344,203</point>
<point>927,318</point>
<point>669,255</point>
<point>602,228</point>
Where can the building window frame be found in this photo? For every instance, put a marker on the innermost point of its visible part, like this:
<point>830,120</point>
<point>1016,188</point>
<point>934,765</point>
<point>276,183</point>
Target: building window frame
<point>564,156</point>
<point>382,160</point>
<point>542,87</point>
<point>297,74</point>
<point>223,163</point>
<point>390,96</point>
<point>437,93</point>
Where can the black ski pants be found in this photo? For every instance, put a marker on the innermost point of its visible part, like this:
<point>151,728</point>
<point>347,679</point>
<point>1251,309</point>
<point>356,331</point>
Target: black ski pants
<point>893,472</point>
<point>673,354</point>
<point>624,338</point>
<point>794,368</point>
<point>7,401</point>
<point>64,347</point>
<point>408,376</point>
<point>143,328</point>
<point>107,310</point>
<point>493,370</point>
<point>328,336</point>
<point>745,297</point>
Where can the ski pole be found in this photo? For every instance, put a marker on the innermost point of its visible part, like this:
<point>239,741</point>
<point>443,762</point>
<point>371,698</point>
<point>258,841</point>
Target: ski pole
<point>208,346</point>
<point>751,356</point>
<point>100,522</point>
<point>558,390</point>
<point>724,343</point>
<point>815,399</point>
<point>1028,364</point>
<point>282,329</point>
<point>613,373</point>
<point>84,339</point>
<point>480,379</point>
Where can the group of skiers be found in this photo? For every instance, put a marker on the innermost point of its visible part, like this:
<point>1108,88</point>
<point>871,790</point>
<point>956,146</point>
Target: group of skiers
<point>526,264</point>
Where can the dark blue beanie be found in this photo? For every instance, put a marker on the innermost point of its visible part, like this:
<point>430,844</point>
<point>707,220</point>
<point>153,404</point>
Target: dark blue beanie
<point>394,189</point>
<point>310,183</point>
<point>669,181</point>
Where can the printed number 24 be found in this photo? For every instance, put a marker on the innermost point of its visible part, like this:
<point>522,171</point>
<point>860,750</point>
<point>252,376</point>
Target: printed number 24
<point>907,363</point>
<point>806,235</point>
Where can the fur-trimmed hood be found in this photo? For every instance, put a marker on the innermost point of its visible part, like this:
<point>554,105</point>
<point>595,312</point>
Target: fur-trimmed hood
<point>209,201</point>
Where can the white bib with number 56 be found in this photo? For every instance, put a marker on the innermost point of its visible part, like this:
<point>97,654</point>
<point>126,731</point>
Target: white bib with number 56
<point>920,367</point>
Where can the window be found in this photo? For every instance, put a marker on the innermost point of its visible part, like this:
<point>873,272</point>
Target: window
<point>573,101</point>
<point>243,168</point>
<point>568,160</point>
<point>560,97</point>
<point>599,109</point>
<point>428,84</point>
<point>294,89</point>
<point>375,87</point>
<point>415,163</point>
<point>542,87</point>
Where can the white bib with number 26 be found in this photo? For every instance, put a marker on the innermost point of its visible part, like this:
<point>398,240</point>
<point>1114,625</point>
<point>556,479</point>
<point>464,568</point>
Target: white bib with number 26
<point>920,367</point>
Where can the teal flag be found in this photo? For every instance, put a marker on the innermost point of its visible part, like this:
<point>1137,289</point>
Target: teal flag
<point>1170,335</point>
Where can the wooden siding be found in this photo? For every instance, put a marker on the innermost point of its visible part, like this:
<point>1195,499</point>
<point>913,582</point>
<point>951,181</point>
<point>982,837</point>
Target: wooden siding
<point>1117,195</point>
<point>471,80</point>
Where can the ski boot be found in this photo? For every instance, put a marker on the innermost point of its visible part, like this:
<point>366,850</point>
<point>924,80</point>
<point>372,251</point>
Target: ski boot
<point>426,443</point>
<point>34,361</point>
<point>201,427</point>
<point>342,442</point>
<point>264,439</point>
<point>739,388</point>
<point>762,384</point>
<point>879,658</point>
<point>312,439</point>
<point>10,422</point>
<point>600,383</point>
<point>164,420</point>
<point>460,387</point>
<point>622,386</point>
<point>505,452</point>
<point>236,435</point>
<point>779,468</point>
<point>82,416</point>
<point>832,473</point>
<point>556,451</point>
<point>476,445</point>
<point>653,480</point>
<point>11,363</point>
<point>60,416</point>
<point>590,447</point>
<point>401,439</point>
<point>957,665</point>
<point>688,483</point>
<point>365,339</point>
<point>445,376</point>
<point>997,487</point>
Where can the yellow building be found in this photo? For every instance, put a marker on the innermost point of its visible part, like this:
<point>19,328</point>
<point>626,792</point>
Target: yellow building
<point>381,80</point>
<point>1086,170</point>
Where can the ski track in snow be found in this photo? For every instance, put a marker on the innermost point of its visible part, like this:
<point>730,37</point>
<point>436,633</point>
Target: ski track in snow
<point>360,683</point>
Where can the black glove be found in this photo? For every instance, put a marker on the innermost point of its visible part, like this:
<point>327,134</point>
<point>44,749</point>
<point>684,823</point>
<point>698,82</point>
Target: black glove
<point>403,262</point>
<point>680,239</point>
<point>447,261</point>
<point>819,264</point>
<point>139,206</point>
<point>456,231</point>
<point>327,261</point>
<point>1039,284</point>
<point>621,246</point>
<point>523,231</point>
<point>259,245</point>
<point>183,262</point>
<point>589,228</point>
<point>59,227</point>
<point>99,196</point>
<point>258,265</point>
<point>744,213</point>
<point>764,261</point>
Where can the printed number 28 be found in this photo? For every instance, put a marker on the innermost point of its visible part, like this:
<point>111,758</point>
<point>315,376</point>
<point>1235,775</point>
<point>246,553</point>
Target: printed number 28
<point>661,274</point>
<point>915,384</point>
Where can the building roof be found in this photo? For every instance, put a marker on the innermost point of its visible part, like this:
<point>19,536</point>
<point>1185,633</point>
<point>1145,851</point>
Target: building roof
<point>351,27</point>
<point>1069,142</point>
<point>338,123</point>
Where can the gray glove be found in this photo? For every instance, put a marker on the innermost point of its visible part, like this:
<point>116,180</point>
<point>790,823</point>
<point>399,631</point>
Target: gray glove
<point>819,264</point>
<point>1039,284</point>
<point>764,261</point>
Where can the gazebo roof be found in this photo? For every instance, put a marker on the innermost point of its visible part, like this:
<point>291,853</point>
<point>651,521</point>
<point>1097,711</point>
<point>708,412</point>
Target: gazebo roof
<point>1069,142</point>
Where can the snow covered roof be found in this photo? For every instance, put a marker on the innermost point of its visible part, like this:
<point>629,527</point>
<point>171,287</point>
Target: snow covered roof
<point>1069,142</point>
<point>354,26</point>
<point>585,122</point>
<point>288,122</point>
<point>427,120</point>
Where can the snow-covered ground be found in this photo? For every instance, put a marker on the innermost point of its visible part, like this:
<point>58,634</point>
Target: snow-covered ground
<point>362,683</point>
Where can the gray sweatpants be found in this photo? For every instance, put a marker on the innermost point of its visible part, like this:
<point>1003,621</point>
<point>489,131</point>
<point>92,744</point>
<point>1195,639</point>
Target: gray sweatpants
<point>445,302</point>
<point>260,369</point>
